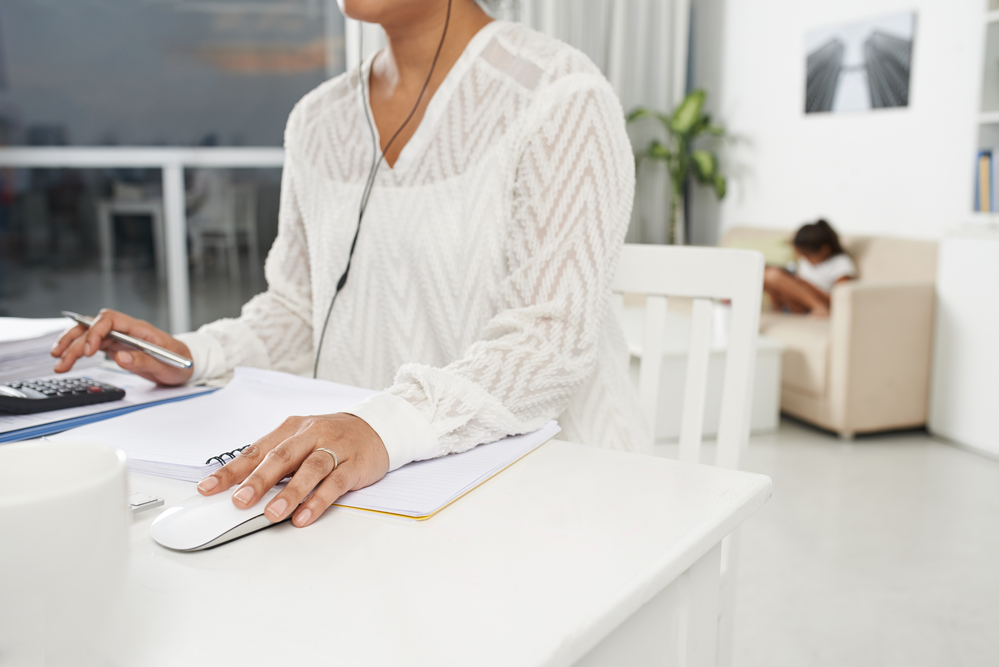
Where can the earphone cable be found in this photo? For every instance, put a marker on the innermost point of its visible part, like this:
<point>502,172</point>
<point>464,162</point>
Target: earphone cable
<point>377,161</point>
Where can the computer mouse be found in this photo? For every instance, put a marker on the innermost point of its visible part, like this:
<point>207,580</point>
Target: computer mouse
<point>202,522</point>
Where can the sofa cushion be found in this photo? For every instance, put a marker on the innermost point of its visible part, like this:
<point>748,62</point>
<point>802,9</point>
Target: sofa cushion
<point>775,245</point>
<point>806,357</point>
<point>883,259</point>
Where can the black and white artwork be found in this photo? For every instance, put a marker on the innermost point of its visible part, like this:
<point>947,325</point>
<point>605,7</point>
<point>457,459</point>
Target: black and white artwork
<point>860,66</point>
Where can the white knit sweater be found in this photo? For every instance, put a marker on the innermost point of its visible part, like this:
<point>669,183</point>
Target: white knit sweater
<point>478,294</point>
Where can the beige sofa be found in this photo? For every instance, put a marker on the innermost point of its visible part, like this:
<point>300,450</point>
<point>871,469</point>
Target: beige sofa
<point>867,367</point>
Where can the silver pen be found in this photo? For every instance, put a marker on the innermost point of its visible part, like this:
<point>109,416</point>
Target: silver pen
<point>166,356</point>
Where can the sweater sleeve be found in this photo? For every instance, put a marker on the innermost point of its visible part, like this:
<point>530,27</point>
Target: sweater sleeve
<point>571,203</point>
<point>274,329</point>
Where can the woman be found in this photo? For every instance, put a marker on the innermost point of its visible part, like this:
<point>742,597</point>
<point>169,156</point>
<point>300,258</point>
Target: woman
<point>822,264</point>
<point>478,287</point>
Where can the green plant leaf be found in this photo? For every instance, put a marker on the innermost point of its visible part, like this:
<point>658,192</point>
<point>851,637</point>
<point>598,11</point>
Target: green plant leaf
<point>721,186</point>
<point>658,151</point>
<point>705,165</point>
<point>688,113</point>
<point>638,113</point>
<point>641,112</point>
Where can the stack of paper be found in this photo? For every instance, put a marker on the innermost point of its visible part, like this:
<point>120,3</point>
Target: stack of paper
<point>179,440</point>
<point>25,345</point>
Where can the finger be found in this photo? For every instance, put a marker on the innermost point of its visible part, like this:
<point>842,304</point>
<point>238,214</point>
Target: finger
<point>313,470</point>
<point>337,483</point>
<point>149,367</point>
<point>101,327</point>
<point>140,363</point>
<point>238,469</point>
<point>233,472</point>
<point>277,463</point>
<point>67,337</point>
<point>70,355</point>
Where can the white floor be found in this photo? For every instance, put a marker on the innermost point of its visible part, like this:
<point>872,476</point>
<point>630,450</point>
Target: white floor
<point>880,552</point>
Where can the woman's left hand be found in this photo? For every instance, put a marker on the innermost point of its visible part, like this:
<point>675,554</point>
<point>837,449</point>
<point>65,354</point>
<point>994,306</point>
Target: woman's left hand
<point>293,448</point>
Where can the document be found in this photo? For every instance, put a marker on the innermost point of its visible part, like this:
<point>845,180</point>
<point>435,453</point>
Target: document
<point>139,393</point>
<point>187,440</point>
<point>25,344</point>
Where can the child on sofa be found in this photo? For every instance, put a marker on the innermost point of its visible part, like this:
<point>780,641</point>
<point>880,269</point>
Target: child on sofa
<point>822,263</point>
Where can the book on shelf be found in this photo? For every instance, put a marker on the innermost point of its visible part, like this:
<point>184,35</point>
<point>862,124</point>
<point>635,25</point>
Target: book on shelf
<point>983,182</point>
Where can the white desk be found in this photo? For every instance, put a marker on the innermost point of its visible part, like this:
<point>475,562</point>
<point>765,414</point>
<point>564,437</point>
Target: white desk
<point>575,555</point>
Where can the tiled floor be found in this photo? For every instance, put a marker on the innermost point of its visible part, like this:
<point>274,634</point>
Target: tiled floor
<point>881,552</point>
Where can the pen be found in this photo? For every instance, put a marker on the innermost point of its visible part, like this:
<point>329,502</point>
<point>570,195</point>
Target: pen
<point>166,356</point>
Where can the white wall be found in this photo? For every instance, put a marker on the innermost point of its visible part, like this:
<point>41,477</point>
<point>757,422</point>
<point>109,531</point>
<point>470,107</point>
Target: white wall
<point>898,172</point>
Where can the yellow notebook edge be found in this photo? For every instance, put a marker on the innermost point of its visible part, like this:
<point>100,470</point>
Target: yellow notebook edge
<point>456,498</point>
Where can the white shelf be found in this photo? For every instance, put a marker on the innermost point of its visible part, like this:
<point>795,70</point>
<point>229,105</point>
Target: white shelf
<point>977,221</point>
<point>987,117</point>
<point>992,16</point>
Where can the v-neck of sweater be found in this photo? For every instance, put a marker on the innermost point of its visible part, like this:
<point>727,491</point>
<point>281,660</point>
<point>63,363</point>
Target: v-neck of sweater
<point>438,102</point>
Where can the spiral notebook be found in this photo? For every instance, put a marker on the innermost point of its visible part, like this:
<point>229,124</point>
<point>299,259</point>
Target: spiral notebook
<point>189,440</point>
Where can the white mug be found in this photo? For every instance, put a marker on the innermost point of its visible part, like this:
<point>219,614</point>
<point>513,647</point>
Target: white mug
<point>63,551</point>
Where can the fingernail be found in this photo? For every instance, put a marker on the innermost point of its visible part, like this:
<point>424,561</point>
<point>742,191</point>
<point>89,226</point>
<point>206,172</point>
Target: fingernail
<point>124,358</point>
<point>244,495</point>
<point>86,349</point>
<point>208,483</point>
<point>303,517</point>
<point>277,507</point>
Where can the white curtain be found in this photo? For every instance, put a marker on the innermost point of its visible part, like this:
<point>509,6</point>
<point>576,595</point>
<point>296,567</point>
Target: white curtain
<point>639,45</point>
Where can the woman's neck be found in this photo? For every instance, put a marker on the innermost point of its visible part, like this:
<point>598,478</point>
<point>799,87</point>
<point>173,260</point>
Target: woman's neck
<point>413,41</point>
<point>399,71</point>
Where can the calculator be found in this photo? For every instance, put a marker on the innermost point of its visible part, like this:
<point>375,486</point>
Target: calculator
<point>29,396</point>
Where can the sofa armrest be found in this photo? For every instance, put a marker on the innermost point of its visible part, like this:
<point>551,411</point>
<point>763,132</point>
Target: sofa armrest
<point>880,354</point>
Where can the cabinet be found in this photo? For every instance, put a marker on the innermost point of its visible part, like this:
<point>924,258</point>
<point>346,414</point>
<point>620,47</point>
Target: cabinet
<point>988,116</point>
<point>964,395</point>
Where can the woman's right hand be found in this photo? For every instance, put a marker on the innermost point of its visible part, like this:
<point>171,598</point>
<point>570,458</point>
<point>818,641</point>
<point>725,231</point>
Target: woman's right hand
<point>80,341</point>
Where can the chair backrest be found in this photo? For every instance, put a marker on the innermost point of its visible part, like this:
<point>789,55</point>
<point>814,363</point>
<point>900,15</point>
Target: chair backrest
<point>704,275</point>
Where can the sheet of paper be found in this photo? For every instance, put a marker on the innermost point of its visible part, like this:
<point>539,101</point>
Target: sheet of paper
<point>137,392</point>
<point>22,328</point>
<point>423,487</point>
<point>254,403</point>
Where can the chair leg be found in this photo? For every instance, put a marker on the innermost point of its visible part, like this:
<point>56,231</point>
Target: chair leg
<point>726,599</point>
<point>847,436</point>
<point>232,258</point>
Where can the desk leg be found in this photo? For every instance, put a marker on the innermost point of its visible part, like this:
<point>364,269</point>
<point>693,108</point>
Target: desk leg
<point>175,232</point>
<point>676,628</point>
<point>159,249</point>
<point>105,235</point>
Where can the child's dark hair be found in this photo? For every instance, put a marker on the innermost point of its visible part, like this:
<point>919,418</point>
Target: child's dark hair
<point>812,237</point>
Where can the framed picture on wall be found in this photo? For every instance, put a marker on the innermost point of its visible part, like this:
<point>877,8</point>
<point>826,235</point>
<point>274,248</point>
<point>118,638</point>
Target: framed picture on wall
<point>860,66</point>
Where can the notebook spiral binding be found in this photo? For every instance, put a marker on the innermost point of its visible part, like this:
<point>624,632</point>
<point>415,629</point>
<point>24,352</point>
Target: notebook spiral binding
<point>221,457</point>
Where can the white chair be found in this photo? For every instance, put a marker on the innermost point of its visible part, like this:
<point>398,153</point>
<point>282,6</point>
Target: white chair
<point>704,275</point>
<point>225,213</point>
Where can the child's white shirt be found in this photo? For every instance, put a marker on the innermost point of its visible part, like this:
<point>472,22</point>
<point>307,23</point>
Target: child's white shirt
<point>825,274</point>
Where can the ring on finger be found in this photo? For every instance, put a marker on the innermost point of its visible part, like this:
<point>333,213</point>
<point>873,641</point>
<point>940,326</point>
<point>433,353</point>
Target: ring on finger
<point>336,461</point>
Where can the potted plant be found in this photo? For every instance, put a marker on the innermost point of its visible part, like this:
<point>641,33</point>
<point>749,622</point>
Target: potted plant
<point>687,122</point>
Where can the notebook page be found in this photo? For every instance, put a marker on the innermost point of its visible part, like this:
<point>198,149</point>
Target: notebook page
<point>423,487</point>
<point>188,433</point>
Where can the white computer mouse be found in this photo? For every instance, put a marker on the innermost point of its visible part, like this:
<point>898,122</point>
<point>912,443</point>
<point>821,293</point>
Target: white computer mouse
<point>201,522</point>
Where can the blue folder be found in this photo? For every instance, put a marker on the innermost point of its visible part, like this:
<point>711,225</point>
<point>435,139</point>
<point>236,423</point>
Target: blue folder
<point>40,430</point>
